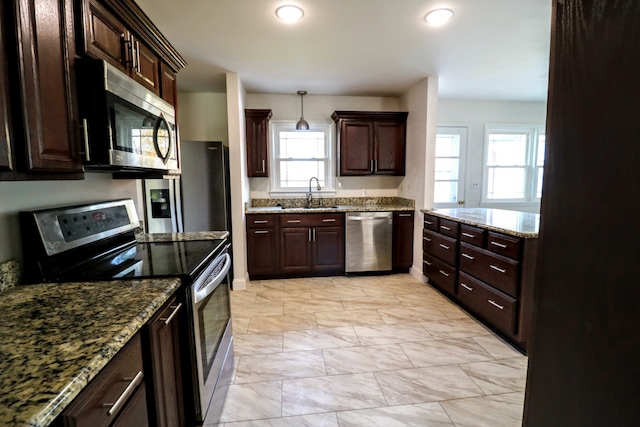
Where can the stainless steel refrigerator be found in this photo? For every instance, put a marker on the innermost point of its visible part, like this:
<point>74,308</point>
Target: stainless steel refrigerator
<point>206,196</point>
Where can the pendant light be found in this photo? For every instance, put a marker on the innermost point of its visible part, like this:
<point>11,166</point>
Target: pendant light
<point>302,123</point>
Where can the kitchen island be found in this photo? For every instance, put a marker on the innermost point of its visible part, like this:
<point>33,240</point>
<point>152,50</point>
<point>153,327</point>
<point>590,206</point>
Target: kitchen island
<point>484,260</point>
<point>56,337</point>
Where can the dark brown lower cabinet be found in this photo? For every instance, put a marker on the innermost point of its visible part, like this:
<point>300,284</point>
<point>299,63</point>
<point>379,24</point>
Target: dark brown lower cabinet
<point>311,244</point>
<point>402,241</point>
<point>164,367</point>
<point>262,249</point>
<point>116,396</point>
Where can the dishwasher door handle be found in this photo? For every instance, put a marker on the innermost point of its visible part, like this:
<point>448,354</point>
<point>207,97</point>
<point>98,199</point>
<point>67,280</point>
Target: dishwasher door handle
<point>365,218</point>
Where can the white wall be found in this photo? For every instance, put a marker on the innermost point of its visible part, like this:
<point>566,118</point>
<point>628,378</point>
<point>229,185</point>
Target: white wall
<point>203,116</point>
<point>476,114</point>
<point>318,108</point>
<point>422,102</point>
<point>18,196</point>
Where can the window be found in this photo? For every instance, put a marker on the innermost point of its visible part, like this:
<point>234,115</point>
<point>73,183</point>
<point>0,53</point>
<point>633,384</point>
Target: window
<point>514,161</point>
<point>449,166</point>
<point>298,156</point>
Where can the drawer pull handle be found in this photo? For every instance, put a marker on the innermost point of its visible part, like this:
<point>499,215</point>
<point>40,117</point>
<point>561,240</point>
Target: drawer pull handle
<point>427,239</point>
<point>444,246</point>
<point>427,262</point>
<point>428,222</point>
<point>471,236</point>
<point>405,215</point>
<point>444,274</point>
<point>501,270</point>
<point>167,320</point>
<point>115,407</point>
<point>468,256</point>
<point>261,221</point>
<point>500,245</point>
<point>293,220</point>
<point>445,227</point>
<point>495,304</point>
<point>467,287</point>
<point>329,220</point>
<point>261,232</point>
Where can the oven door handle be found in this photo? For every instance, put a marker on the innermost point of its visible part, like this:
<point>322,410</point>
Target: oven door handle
<point>205,291</point>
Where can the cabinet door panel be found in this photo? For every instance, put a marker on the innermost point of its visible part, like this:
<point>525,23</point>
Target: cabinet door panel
<point>402,240</point>
<point>295,250</point>
<point>257,138</point>
<point>105,35</point>
<point>262,254</point>
<point>328,254</point>
<point>46,54</point>
<point>5,108</point>
<point>168,84</point>
<point>356,150</point>
<point>390,148</point>
<point>164,333</point>
<point>135,413</point>
<point>147,69</point>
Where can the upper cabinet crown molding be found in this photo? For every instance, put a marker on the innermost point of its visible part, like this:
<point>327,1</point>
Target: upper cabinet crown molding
<point>140,24</point>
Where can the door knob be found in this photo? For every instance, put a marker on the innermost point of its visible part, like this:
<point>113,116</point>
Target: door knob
<point>461,202</point>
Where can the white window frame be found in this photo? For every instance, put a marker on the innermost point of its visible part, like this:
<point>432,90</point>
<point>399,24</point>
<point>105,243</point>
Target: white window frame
<point>286,125</point>
<point>464,130</point>
<point>531,169</point>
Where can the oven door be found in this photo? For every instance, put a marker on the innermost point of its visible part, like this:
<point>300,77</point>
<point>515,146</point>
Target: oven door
<point>212,317</point>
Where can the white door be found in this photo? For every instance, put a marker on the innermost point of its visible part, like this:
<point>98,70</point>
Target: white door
<point>451,147</point>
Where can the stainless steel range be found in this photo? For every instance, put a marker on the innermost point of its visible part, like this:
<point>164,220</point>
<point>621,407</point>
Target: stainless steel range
<point>97,242</point>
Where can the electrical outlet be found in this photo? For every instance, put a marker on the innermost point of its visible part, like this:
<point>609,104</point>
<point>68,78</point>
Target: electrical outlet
<point>475,185</point>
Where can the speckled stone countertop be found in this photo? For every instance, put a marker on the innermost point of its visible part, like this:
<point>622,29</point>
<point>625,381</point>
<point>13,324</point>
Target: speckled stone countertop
<point>519,224</point>
<point>55,338</point>
<point>9,274</point>
<point>181,237</point>
<point>330,204</point>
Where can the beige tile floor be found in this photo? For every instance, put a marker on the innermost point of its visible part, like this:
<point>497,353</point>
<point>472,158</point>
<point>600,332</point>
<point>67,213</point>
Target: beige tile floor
<point>366,351</point>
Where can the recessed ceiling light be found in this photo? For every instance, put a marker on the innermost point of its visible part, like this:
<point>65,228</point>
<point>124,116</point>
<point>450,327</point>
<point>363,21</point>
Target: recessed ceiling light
<point>438,16</point>
<point>289,13</point>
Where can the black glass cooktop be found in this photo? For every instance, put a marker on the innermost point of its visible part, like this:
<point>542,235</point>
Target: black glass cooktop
<point>143,260</point>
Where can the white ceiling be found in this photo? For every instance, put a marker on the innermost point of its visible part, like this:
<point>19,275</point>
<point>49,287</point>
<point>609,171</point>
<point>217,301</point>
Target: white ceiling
<point>492,49</point>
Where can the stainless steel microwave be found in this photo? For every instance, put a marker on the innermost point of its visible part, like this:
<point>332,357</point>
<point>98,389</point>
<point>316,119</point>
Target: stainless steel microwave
<point>125,126</point>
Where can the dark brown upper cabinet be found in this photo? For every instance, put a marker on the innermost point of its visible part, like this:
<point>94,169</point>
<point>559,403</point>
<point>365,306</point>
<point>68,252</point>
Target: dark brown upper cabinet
<point>121,34</point>
<point>38,80</point>
<point>371,143</point>
<point>257,137</point>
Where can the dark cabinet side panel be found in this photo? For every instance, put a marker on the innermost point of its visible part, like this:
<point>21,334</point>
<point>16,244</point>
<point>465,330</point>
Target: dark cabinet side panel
<point>6,126</point>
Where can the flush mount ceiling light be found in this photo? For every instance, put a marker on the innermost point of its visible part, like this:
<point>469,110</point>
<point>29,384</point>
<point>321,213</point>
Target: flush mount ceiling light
<point>289,13</point>
<point>302,123</point>
<point>438,16</point>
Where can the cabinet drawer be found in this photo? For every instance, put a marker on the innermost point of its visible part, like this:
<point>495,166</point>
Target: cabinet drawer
<point>439,273</point>
<point>443,247</point>
<point>427,240</point>
<point>261,221</point>
<point>494,306</point>
<point>311,220</point>
<point>473,235</point>
<point>448,228</point>
<point>107,388</point>
<point>496,270</point>
<point>504,245</point>
<point>431,222</point>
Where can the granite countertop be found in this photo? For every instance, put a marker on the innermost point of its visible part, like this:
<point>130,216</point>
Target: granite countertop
<point>330,204</point>
<point>519,224</point>
<point>55,338</point>
<point>181,237</point>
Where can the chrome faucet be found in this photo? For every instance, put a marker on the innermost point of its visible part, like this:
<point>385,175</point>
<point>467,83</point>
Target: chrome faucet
<point>309,194</point>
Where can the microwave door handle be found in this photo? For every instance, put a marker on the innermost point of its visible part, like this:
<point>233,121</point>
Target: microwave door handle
<point>164,157</point>
<point>204,292</point>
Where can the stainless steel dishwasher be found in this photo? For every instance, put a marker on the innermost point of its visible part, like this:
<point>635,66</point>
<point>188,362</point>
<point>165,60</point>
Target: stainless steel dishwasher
<point>368,241</point>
